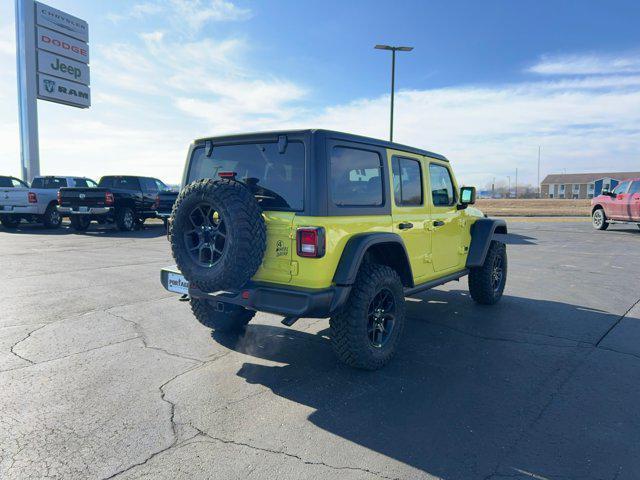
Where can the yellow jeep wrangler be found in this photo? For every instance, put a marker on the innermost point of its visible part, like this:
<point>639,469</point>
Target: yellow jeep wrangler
<point>316,223</point>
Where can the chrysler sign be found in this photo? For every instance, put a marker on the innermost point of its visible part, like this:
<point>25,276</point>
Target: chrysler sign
<point>62,22</point>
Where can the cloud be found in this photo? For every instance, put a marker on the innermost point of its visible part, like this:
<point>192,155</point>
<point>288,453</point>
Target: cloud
<point>591,64</point>
<point>193,14</point>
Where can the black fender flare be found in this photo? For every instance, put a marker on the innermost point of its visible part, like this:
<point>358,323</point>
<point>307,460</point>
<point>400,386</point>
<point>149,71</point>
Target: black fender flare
<point>482,232</point>
<point>356,249</point>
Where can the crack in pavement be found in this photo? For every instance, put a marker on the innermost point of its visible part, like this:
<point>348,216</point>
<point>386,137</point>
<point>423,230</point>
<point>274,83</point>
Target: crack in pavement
<point>616,323</point>
<point>287,454</point>
<point>12,349</point>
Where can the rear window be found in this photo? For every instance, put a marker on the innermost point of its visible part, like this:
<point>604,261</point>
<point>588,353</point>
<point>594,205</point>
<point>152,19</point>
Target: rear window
<point>273,174</point>
<point>53,183</point>
<point>84,183</point>
<point>122,183</point>
<point>356,177</point>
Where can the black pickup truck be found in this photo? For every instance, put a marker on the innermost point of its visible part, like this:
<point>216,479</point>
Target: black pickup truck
<point>164,204</point>
<point>124,200</point>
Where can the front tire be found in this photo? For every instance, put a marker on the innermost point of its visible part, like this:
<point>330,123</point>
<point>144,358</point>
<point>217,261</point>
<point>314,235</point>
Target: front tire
<point>233,319</point>
<point>366,333</point>
<point>80,223</point>
<point>125,220</point>
<point>52,218</point>
<point>486,283</point>
<point>9,221</point>
<point>599,219</point>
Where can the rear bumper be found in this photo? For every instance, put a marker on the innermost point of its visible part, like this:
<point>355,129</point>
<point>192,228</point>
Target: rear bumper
<point>90,211</point>
<point>19,210</point>
<point>280,300</point>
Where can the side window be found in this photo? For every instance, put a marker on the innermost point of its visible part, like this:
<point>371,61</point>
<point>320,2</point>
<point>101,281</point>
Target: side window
<point>80,182</point>
<point>621,188</point>
<point>91,183</point>
<point>442,190</point>
<point>407,182</point>
<point>7,182</point>
<point>635,187</point>
<point>106,182</point>
<point>159,185</point>
<point>356,177</point>
<point>149,185</point>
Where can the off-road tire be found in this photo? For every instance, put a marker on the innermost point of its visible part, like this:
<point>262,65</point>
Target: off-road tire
<point>599,219</point>
<point>51,218</point>
<point>233,319</point>
<point>349,335</point>
<point>80,223</point>
<point>8,221</point>
<point>482,287</point>
<point>125,219</point>
<point>245,234</point>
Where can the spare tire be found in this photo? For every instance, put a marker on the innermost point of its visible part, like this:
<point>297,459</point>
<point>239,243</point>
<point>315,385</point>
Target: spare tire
<point>218,235</point>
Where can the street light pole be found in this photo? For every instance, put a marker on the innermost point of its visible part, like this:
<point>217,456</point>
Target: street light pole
<point>509,186</point>
<point>539,188</point>
<point>393,78</point>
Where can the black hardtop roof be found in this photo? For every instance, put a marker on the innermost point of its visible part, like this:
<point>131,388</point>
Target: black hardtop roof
<point>330,134</point>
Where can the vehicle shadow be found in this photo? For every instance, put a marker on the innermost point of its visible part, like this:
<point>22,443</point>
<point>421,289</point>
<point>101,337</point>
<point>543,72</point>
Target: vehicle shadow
<point>515,239</point>
<point>466,385</point>
<point>95,230</point>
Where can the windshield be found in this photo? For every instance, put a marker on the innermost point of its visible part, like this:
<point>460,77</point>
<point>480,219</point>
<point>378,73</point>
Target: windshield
<point>275,178</point>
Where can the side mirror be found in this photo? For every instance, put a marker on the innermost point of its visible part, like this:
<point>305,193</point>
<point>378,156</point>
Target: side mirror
<point>608,193</point>
<point>467,197</point>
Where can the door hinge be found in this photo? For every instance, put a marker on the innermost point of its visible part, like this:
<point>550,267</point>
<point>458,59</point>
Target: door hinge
<point>462,222</point>
<point>293,268</point>
<point>427,258</point>
<point>464,249</point>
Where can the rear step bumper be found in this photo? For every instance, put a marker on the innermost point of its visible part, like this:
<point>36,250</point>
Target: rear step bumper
<point>280,300</point>
<point>89,211</point>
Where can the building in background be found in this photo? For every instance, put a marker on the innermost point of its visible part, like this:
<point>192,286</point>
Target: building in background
<point>581,185</point>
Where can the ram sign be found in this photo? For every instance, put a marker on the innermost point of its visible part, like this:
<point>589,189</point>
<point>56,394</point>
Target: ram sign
<point>61,91</point>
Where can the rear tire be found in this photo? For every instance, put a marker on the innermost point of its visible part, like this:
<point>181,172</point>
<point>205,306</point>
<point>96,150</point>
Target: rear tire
<point>366,333</point>
<point>599,219</point>
<point>125,219</point>
<point>52,218</point>
<point>80,223</point>
<point>486,283</point>
<point>233,319</point>
<point>9,221</point>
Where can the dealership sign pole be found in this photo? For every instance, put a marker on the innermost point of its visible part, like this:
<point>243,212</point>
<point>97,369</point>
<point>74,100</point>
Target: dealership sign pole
<point>52,59</point>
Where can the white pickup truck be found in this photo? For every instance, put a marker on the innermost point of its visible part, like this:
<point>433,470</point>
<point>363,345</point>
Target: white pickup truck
<point>37,203</point>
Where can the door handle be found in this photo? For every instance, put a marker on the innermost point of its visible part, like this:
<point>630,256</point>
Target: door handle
<point>405,225</point>
<point>438,223</point>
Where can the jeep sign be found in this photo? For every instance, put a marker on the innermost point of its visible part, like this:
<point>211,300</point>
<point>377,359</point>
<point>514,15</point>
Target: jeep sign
<point>62,67</point>
<point>63,91</point>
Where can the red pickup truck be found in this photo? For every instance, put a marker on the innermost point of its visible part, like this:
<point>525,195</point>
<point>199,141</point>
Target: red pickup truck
<point>621,205</point>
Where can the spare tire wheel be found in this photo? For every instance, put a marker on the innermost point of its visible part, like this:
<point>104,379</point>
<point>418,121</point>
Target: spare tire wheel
<point>218,235</point>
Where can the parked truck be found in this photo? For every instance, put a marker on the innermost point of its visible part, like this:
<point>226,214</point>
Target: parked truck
<point>35,203</point>
<point>124,200</point>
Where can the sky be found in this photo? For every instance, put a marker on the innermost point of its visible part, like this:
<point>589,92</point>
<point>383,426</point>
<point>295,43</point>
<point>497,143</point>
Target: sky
<point>486,84</point>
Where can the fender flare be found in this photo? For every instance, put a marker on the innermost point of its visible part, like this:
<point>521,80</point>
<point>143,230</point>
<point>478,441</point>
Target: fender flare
<point>482,232</point>
<point>354,253</point>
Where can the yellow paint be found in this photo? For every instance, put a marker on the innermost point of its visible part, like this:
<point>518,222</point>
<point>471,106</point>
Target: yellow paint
<point>433,251</point>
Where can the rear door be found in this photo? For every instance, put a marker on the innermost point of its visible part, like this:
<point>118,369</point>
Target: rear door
<point>618,207</point>
<point>445,218</point>
<point>149,193</point>
<point>634,201</point>
<point>410,211</point>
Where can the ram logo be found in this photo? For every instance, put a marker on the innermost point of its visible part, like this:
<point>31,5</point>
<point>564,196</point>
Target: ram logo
<point>49,85</point>
<point>82,196</point>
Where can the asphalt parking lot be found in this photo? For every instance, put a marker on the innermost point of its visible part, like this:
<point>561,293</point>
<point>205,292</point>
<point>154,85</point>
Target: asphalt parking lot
<point>106,375</point>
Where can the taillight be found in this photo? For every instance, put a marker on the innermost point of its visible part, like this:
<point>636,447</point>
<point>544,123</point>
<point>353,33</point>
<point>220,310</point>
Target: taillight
<point>59,198</point>
<point>310,242</point>
<point>156,204</point>
<point>227,175</point>
<point>33,198</point>
<point>108,198</point>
